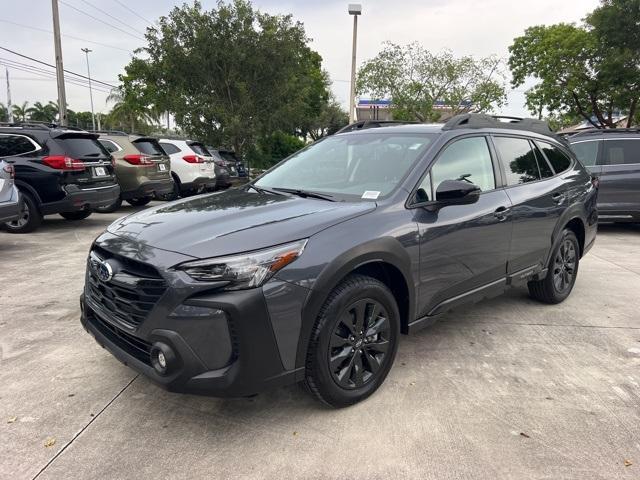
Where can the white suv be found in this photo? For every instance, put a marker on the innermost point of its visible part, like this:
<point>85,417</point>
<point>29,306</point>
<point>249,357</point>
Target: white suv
<point>192,166</point>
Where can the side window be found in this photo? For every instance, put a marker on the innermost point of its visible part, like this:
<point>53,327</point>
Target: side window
<point>467,159</point>
<point>587,152</point>
<point>519,160</point>
<point>558,160</point>
<point>545,170</point>
<point>11,145</point>
<point>109,145</point>
<point>617,152</point>
<point>423,194</point>
<point>169,148</point>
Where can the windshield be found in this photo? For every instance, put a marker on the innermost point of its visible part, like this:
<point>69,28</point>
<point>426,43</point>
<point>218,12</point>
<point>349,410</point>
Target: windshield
<point>363,165</point>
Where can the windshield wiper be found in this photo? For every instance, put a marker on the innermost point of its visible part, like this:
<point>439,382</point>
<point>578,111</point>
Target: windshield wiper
<point>306,193</point>
<point>264,190</point>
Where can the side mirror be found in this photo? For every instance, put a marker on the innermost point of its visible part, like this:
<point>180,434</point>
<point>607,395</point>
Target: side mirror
<point>457,192</point>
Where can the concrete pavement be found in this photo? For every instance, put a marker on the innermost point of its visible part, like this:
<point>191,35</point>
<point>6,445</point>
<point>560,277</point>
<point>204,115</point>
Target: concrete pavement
<point>508,388</point>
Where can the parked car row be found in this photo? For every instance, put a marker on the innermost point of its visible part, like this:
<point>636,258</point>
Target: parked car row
<point>47,169</point>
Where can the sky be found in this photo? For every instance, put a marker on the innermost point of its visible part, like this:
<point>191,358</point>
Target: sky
<point>112,31</point>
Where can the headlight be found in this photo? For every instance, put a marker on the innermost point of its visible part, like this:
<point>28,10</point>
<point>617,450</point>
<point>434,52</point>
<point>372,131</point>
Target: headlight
<point>246,270</point>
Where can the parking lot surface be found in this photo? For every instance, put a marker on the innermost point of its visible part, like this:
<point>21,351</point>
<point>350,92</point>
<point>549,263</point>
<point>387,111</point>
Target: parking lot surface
<point>507,388</point>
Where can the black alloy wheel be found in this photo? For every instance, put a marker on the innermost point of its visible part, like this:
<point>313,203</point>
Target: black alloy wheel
<point>353,342</point>
<point>564,266</point>
<point>359,344</point>
<point>561,273</point>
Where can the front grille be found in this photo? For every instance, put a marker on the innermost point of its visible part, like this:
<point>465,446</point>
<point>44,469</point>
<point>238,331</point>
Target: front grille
<point>131,294</point>
<point>134,346</point>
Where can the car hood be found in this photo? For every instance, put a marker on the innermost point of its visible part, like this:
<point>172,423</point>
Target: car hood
<point>233,221</point>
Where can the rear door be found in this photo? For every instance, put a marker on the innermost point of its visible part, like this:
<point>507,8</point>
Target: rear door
<point>619,192</point>
<point>538,199</point>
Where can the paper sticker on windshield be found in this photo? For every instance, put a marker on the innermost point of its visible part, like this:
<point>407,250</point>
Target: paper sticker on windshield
<point>371,194</point>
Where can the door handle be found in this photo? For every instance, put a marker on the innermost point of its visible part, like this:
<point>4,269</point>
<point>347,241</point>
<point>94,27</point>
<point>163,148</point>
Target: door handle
<point>501,213</point>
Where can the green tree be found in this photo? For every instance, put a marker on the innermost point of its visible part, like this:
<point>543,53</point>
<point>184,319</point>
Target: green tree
<point>414,79</point>
<point>328,120</point>
<point>4,113</point>
<point>40,112</point>
<point>591,70</point>
<point>272,148</point>
<point>20,111</point>
<point>229,75</point>
<point>129,111</point>
<point>79,119</point>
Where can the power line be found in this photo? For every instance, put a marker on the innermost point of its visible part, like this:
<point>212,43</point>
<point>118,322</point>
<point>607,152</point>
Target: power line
<point>49,65</point>
<point>47,74</point>
<point>111,16</point>
<point>65,36</point>
<point>136,14</point>
<point>100,20</point>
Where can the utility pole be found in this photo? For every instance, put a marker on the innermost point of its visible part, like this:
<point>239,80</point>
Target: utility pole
<point>62,97</point>
<point>9,112</point>
<point>93,116</point>
<point>355,9</point>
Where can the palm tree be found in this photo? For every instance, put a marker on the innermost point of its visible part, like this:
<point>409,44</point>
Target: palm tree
<point>20,112</point>
<point>127,111</point>
<point>43,113</point>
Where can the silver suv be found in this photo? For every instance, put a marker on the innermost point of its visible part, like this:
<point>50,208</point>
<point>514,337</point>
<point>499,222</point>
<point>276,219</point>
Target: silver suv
<point>10,203</point>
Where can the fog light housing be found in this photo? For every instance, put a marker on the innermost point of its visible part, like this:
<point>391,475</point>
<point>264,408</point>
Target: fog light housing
<point>163,359</point>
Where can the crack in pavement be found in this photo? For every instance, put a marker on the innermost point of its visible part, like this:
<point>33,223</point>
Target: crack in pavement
<point>53,459</point>
<point>560,325</point>
<point>614,263</point>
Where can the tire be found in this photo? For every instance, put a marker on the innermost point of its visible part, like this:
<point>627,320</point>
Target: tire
<point>109,208</point>
<point>139,202</point>
<point>562,271</point>
<point>169,197</point>
<point>344,364</point>
<point>77,215</point>
<point>30,216</point>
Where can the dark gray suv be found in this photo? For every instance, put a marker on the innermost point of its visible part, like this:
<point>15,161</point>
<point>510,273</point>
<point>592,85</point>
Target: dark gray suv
<point>312,272</point>
<point>614,157</point>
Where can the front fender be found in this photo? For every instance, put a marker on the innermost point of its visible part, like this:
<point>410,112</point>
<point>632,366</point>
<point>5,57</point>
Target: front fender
<point>387,250</point>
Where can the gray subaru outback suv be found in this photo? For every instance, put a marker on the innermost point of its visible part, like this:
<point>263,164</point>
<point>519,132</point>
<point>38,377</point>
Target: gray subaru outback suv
<point>312,272</point>
<point>614,157</point>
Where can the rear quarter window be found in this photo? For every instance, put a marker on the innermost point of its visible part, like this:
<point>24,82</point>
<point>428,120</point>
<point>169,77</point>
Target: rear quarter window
<point>558,160</point>
<point>11,145</point>
<point>82,147</point>
<point>587,152</point>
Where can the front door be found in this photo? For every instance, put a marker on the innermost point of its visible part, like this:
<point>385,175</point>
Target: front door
<point>619,191</point>
<point>463,248</point>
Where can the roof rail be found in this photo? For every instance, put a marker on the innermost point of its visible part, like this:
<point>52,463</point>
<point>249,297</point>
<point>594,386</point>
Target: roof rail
<point>109,132</point>
<point>479,120</point>
<point>587,131</point>
<point>365,124</point>
<point>40,125</point>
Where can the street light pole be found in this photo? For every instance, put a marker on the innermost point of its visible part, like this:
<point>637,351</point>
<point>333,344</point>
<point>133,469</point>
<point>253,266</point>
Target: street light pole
<point>355,9</point>
<point>62,97</point>
<point>93,116</point>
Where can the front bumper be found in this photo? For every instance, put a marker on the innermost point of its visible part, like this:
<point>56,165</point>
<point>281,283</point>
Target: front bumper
<point>83,198</point>
<point>225,343</point>
<point>149,189</point>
